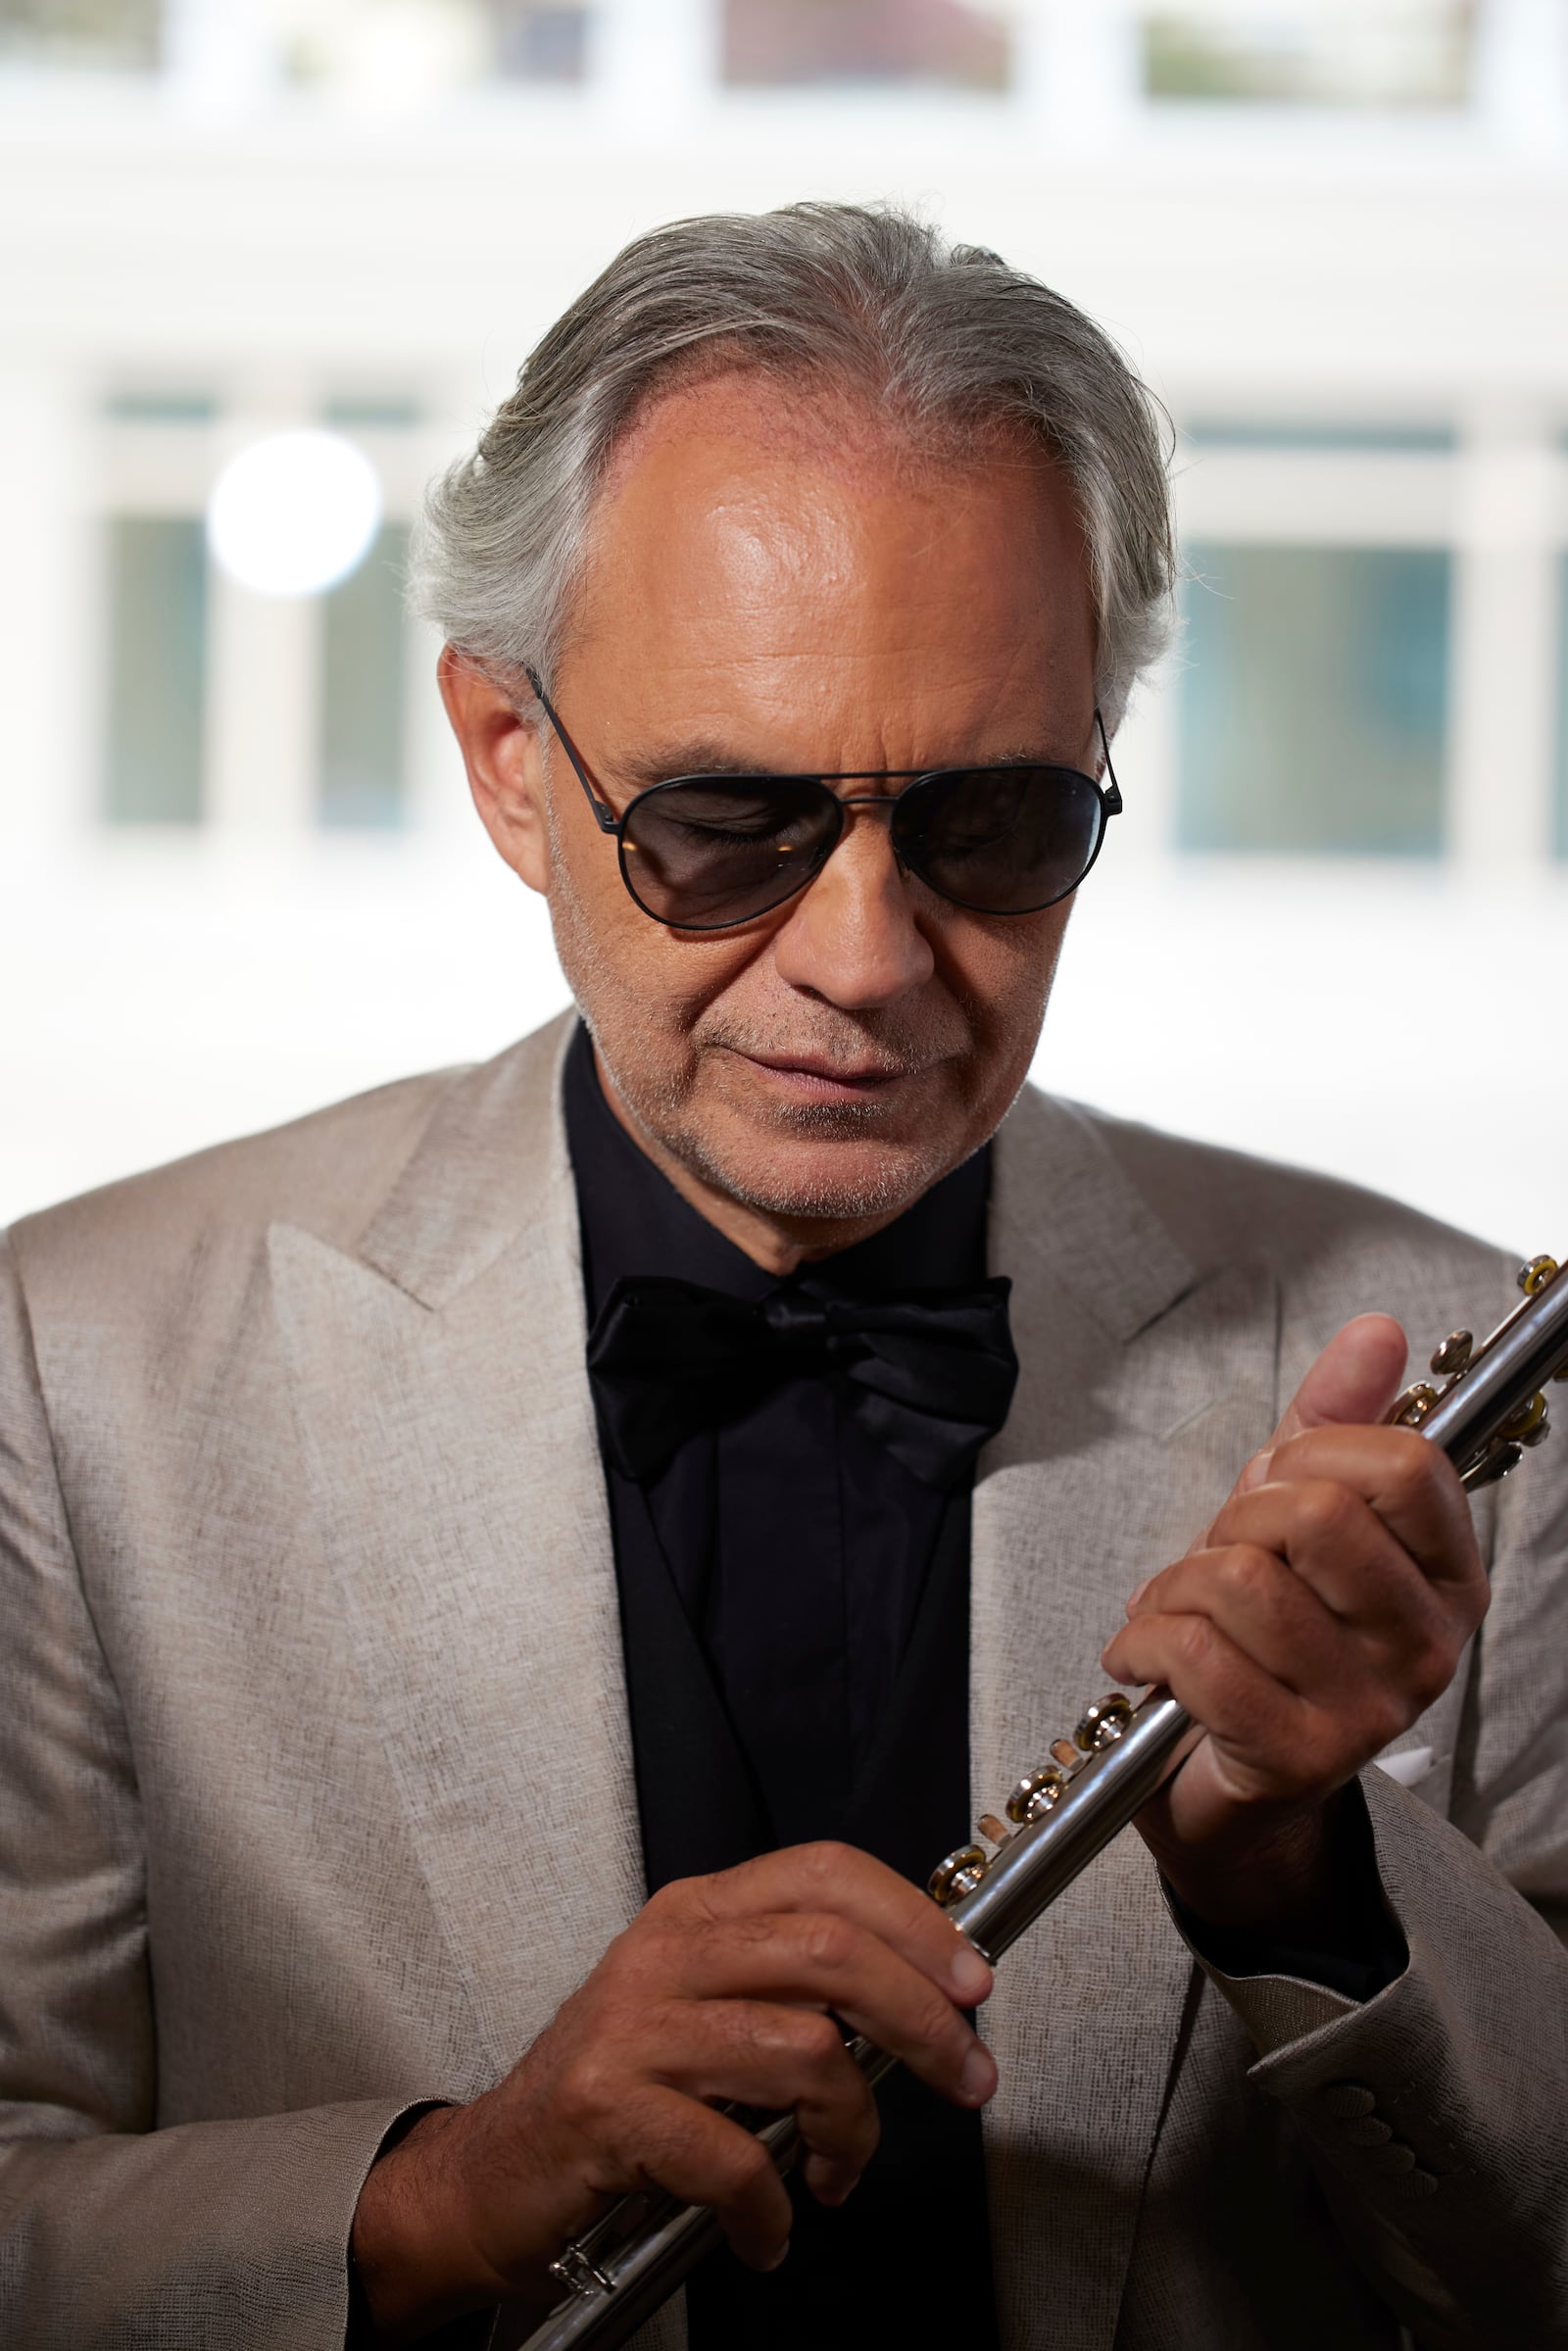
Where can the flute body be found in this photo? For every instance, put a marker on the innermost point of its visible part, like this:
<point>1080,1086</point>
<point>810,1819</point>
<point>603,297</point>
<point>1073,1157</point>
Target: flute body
<point>1490,1411</point>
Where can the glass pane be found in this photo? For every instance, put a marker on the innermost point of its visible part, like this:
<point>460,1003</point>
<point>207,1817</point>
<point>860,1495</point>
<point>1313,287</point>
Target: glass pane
<point>1314,699</point>
<point>362,690</point>
<point>1378,53</point>
<point>537,41</point>
<point>160,408</point>
<point>1288,434</point>
<point>371,411</point>
<point>79,32</point>
<point>157,669</point>
<point>1561,840</point>
<point>782,43</point>
<point>380,49</point>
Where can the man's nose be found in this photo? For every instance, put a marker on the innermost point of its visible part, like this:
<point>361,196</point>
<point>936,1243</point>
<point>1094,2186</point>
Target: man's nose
<point>852,937</point>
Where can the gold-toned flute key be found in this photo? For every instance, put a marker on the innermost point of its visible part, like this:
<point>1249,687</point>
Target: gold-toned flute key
<point>1489,1411</point>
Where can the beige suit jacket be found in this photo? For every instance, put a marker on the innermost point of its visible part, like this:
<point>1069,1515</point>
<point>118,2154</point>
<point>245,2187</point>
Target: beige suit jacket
<point>315,1774</point>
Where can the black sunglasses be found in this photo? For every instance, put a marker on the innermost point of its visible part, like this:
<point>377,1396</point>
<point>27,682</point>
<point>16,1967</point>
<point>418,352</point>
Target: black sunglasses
<point>702,853</point>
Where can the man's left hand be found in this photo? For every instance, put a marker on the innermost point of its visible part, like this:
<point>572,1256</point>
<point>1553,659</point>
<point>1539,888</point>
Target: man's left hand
<point>1323,1610</point>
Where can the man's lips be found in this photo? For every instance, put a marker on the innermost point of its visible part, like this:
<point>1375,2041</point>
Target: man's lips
<point>830,1081</point>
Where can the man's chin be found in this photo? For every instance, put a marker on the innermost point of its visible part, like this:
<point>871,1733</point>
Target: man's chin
<point>825,1181</point>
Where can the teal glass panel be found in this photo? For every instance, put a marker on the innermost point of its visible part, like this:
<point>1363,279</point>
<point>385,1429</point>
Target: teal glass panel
<point>361,771</point>
<point>162,408</point>
<point>370,413</point>
<point>157,669</point>
<point>1306,433</point>
<point>1560,831</point>
<point>1314,699</point>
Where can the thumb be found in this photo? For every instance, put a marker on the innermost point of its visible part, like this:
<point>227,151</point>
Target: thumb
<point>1352,1384</point>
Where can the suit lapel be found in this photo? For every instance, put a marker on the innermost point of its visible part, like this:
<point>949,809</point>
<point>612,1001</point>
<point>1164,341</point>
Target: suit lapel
<point>1145,1383</point>
<point>448,1436</point>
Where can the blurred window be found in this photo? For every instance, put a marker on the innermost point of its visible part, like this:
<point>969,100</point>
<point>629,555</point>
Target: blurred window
<point>539,42</point>
<point>1561,844</point>
<point>810,43</point>
<point>1373,53</point>
<point>362,770</point>
<point>115,34</point>
<point>162,408</point>
<point>411,50</point>
<point>157,669</point>
<point>371,411</point>
<point>1312,699</point>
<point>1319,434</point>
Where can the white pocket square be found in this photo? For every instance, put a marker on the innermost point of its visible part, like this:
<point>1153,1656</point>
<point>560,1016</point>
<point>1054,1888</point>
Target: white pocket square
<point>1409,1766</point>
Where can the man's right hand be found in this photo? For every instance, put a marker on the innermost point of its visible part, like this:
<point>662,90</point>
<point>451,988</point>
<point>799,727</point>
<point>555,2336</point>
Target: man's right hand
<point>722,1987</point>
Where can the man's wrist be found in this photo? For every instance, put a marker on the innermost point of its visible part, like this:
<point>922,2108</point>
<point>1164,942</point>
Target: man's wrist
<point>407,2247</point>
<point>1284,1873</point>
<point>1328,1922</point>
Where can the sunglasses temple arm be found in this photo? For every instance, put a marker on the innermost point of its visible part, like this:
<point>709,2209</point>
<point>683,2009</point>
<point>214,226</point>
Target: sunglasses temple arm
<point>1114,801</point>
<point>604,816</point>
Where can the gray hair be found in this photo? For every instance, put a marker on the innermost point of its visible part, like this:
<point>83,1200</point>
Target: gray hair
<point>944,337</point>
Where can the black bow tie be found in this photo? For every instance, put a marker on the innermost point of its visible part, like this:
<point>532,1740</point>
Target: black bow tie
<point>930,1376</point>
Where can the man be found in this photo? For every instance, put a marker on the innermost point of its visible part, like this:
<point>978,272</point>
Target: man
<point>511,1582</point>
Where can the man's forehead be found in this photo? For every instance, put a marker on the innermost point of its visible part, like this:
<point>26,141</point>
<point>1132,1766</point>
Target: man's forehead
<point>840,428</point>
<point>738,525</point>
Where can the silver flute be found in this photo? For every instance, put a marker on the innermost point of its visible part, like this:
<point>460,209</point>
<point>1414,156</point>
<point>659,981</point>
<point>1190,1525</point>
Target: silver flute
<point>1489,1409</point>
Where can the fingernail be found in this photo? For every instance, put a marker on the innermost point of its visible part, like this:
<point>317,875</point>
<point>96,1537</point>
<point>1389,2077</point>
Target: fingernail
<point>830,2182</point>
<point>778,2259</point>
<point>969,1975</point>
<point>1133,1598</point>
<point>979,2076</point>
<point>1256,1472</point>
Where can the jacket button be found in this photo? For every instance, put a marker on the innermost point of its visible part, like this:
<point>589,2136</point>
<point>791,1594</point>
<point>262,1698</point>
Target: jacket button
<point>1347,2101</point>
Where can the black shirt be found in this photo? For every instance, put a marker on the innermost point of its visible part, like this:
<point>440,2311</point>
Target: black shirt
<point>795,1612</point>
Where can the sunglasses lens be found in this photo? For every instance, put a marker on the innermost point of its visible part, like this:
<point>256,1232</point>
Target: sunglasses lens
<point>721,850</point>
<point>1001,840</point>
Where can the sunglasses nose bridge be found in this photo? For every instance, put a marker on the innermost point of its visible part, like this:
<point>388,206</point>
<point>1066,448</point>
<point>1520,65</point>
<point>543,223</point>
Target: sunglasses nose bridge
<point>885,804</point>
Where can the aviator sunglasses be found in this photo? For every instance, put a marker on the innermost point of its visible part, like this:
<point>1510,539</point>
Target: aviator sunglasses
<point>702,853</point>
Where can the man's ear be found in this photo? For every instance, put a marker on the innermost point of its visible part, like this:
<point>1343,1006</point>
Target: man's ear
<point>505,760</point>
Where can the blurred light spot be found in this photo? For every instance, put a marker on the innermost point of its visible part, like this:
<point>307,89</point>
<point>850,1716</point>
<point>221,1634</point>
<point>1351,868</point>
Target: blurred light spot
<point>294,513</point>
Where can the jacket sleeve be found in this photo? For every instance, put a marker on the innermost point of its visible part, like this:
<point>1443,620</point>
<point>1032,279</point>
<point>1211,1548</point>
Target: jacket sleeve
<point>1437,2113</point>
<point>112,2231</point>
